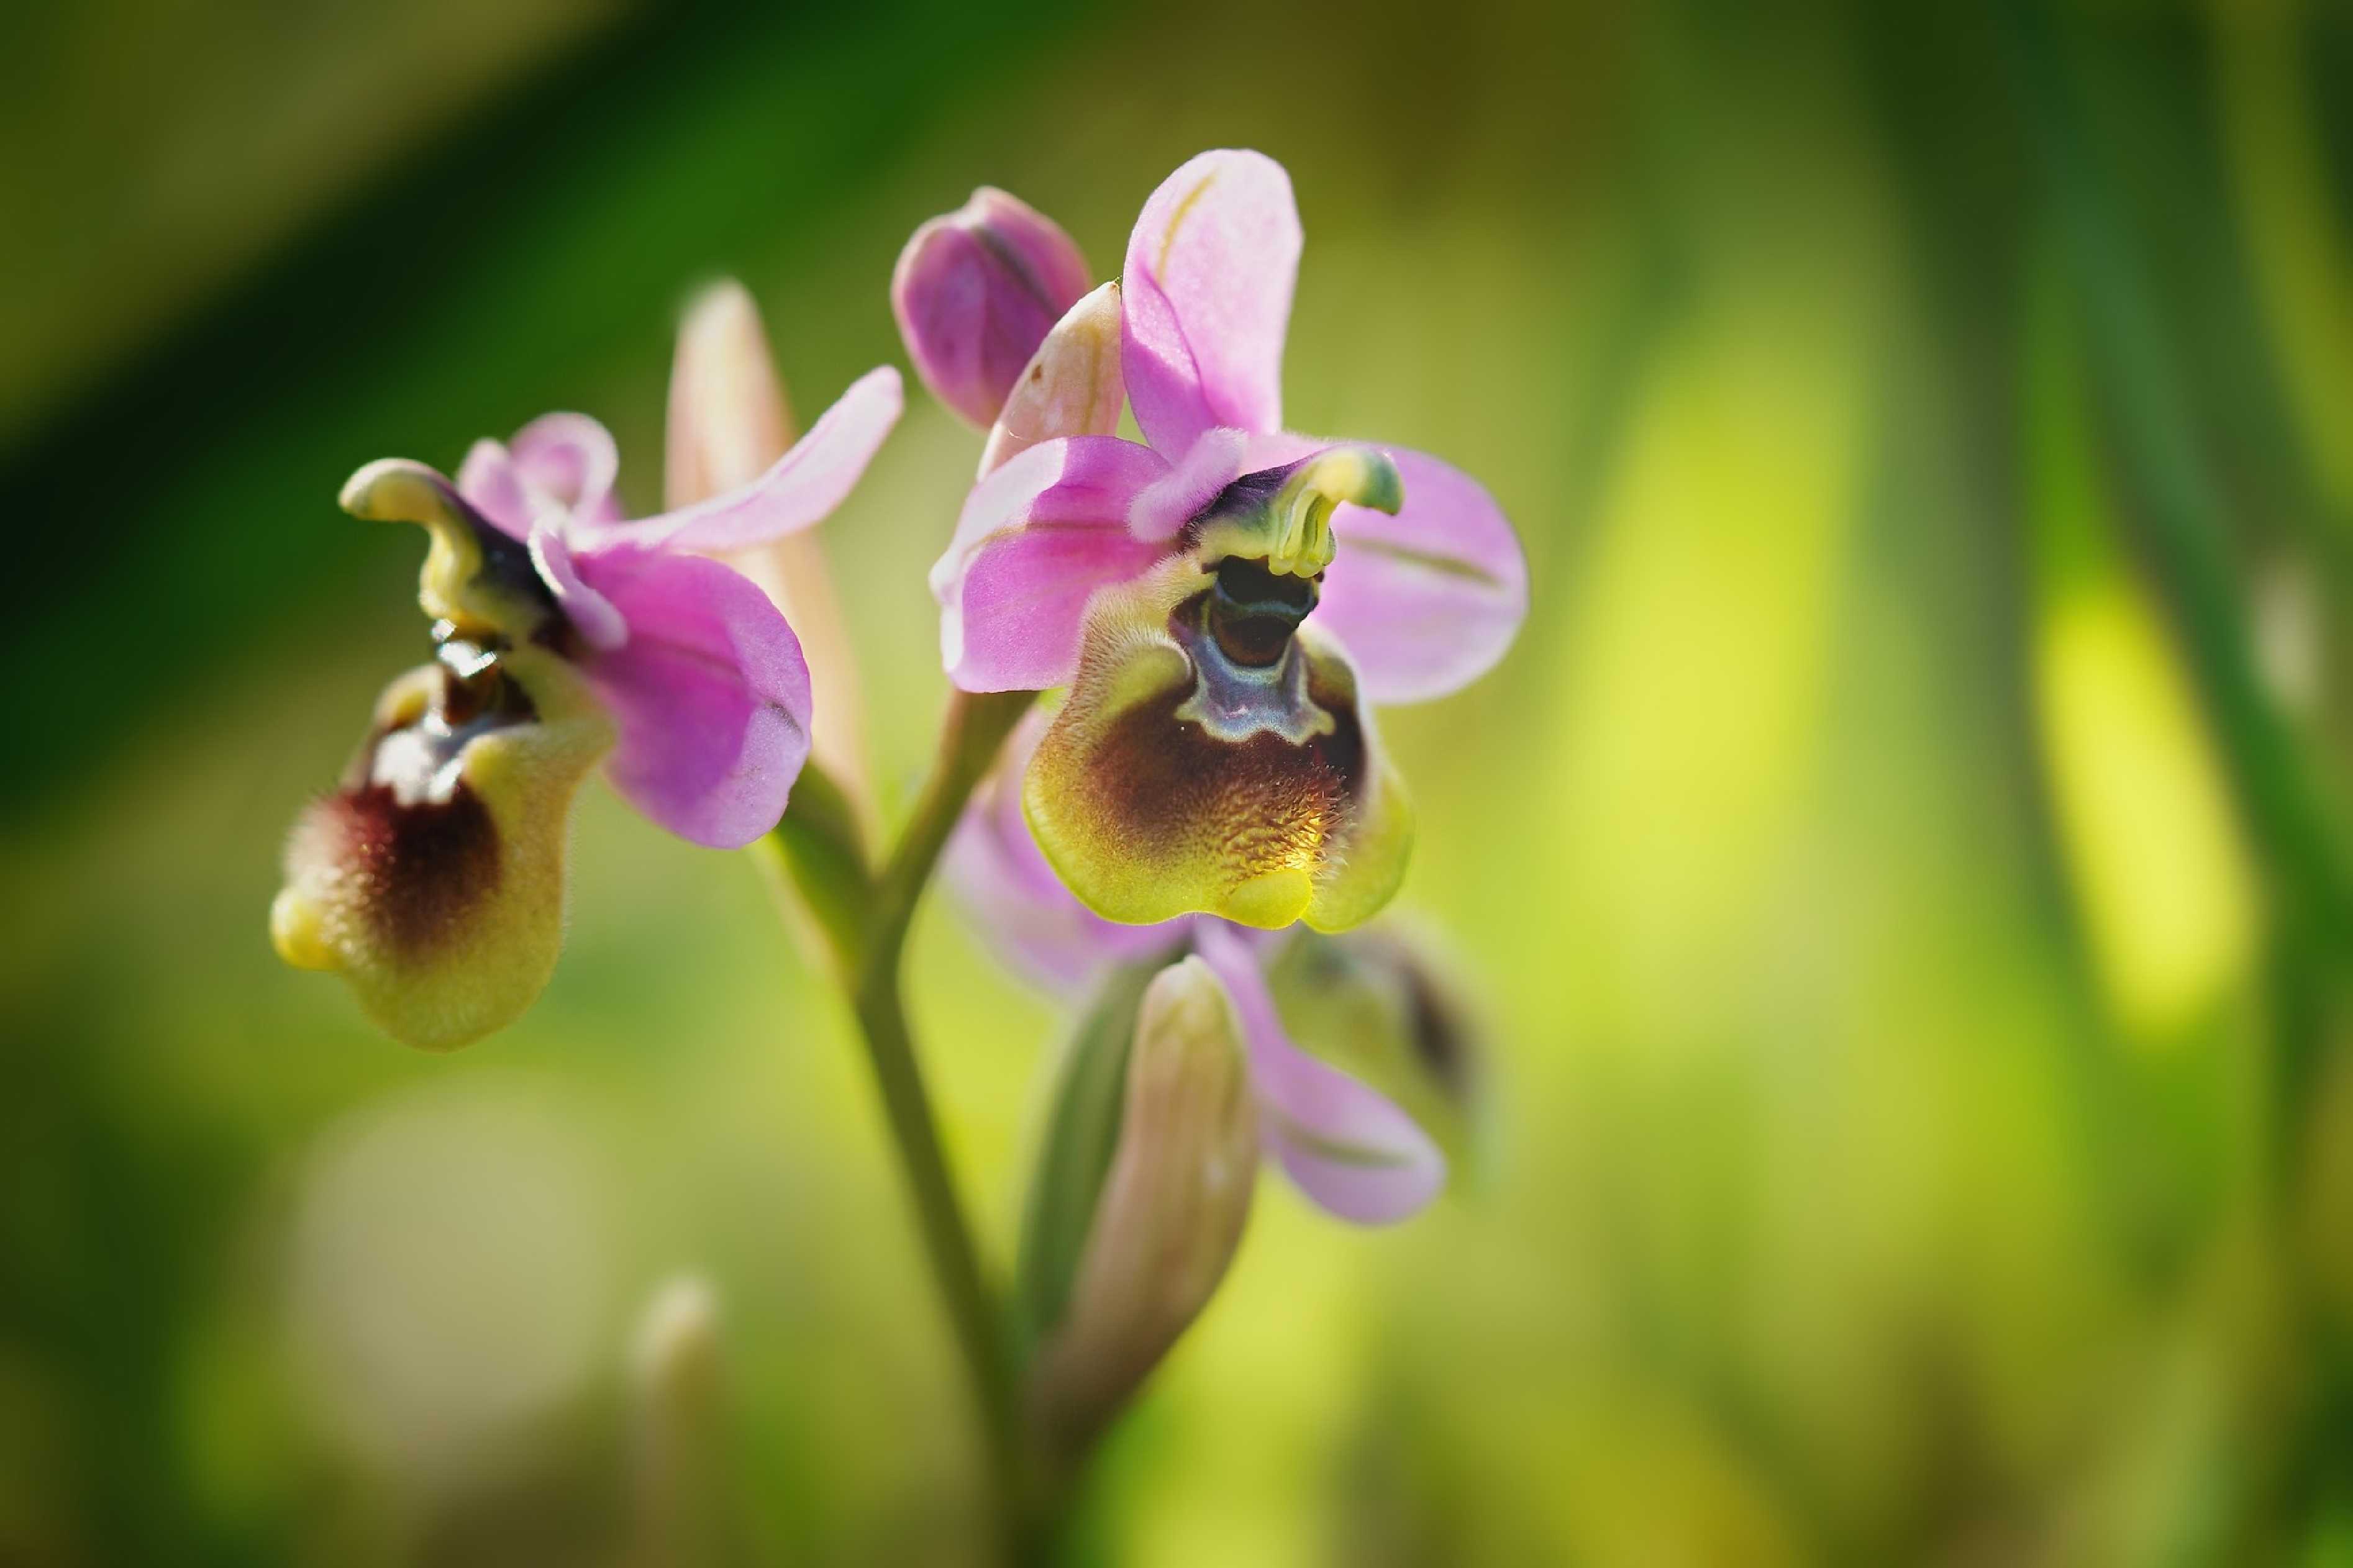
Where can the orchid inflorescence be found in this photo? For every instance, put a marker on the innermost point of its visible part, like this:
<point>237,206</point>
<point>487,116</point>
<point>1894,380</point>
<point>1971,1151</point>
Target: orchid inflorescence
<point>1182,638</point>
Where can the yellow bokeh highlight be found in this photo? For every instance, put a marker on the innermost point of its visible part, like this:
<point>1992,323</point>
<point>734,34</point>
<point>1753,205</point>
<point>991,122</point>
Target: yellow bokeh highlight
<point>1707,621</point>
<point>2138,799</point>
<point>2143,818</point>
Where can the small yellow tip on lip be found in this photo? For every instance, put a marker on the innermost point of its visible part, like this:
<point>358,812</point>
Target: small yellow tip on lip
<point>1270,901</point>
<point>296,933</point>
<point>396,490</point>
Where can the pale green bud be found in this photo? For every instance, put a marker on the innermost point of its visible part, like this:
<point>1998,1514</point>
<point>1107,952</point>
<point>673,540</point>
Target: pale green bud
<point>1170,1212</point>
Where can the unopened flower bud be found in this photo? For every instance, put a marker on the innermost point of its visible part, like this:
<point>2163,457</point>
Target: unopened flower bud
<point>729,420</point>
<point>1071,385</point>
<point>977,292</point>
<point>1171,1210</point>
<point>674,1358</point>
<point>679,1458</point>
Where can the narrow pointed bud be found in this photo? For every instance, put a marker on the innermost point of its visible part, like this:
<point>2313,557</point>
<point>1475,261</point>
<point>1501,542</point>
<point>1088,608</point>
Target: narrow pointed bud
<point>1071,386</point>
<point>729,420</point>
<point>1171,1212</point>
<point>679,1453</point>
<point>977,292</point>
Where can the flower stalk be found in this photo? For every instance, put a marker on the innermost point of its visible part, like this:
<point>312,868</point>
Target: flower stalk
<point>866,920</point>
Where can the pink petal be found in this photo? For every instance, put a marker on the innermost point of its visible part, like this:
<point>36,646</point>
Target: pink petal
<point>1174,499</point>
<point>592,615</point>
<point>1016,903</point>
<point>570,459</point>
<point>711,694</point>
<point>1352,1152</point>
<point>803,487</point>
<point>1208,287</point>
<point>1036,539</point>
<point>489,481</point>
<point>1427,601</point>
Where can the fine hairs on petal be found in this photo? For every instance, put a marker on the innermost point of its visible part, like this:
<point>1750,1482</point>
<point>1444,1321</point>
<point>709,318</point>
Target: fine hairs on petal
<point>1164,508</point>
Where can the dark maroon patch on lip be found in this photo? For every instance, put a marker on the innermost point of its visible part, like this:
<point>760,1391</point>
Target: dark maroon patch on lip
<point>1168,780</point>
<point>425,867</point>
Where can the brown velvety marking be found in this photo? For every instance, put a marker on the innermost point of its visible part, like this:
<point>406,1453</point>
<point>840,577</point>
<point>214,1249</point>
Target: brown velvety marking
<point>424,867</point>
<point>1168,782</point>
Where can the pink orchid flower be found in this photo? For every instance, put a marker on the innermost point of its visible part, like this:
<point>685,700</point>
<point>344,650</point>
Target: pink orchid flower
<point>1225,601</point>
<point>432,878</point>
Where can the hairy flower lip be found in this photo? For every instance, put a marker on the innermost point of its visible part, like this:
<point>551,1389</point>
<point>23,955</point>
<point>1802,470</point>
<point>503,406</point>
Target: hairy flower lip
<point>432,877</point>
<point>1031,917</point>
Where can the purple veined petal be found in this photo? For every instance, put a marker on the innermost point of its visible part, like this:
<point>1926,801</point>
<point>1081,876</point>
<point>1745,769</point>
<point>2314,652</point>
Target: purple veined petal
<point>802,488</point>
<point>1210,268</point>
<point>570,459</point>
<point>592,615</point>
<point>1427,601</point>
<point>1164,508</point>
<point>1352,1152</point>
<point>1036,539</point>
<point>710,694</point>
<point>489,481</point>
<point>1016,903</point>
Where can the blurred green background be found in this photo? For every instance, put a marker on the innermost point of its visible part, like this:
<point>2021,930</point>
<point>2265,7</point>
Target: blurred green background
<point>1901,863</point>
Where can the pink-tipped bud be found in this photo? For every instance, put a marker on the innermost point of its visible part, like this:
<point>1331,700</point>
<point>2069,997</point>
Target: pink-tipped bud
<point>977,292</point>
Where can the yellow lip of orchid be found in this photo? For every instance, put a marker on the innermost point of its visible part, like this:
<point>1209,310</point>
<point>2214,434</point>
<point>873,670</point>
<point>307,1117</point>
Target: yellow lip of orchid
<point>1212,756</point>
<point>432,880</point>
<point>1199,768</point>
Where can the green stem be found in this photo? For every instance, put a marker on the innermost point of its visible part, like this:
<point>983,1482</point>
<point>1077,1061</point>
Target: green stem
<point>819,845</point>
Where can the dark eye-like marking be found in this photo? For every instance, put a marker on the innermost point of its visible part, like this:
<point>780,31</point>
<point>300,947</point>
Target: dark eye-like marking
<point>1253,612</point>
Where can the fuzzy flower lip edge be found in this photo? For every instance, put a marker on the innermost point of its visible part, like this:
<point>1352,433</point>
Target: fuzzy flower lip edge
<point>1423,600</point>
<point>705,680</point>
